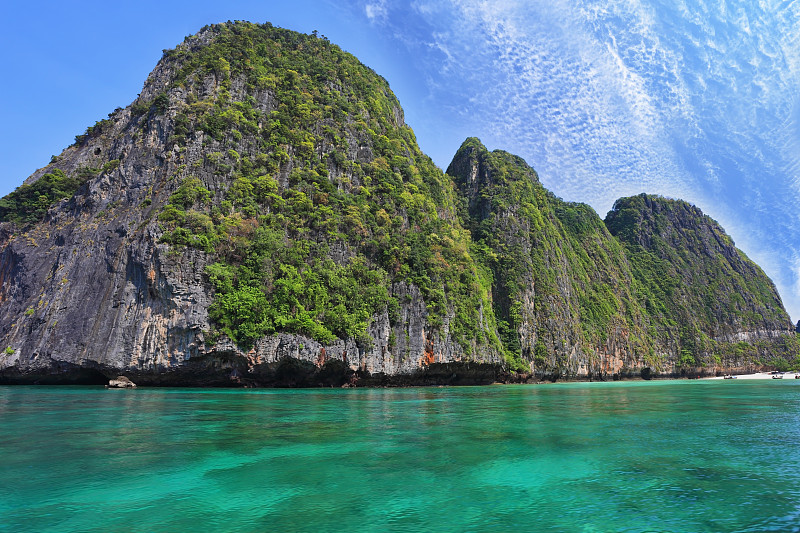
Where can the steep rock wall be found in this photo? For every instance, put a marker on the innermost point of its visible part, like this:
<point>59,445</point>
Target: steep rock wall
<point>561,282</point>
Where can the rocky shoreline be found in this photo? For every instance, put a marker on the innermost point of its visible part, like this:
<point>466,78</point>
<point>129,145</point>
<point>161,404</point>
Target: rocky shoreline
<point>294,373</point>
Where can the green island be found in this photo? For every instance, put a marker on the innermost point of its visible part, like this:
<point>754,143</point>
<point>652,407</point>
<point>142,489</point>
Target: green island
<point>262,215</point>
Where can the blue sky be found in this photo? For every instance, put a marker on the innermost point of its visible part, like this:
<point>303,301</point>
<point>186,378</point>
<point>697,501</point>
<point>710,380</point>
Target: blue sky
<point>692,99</point>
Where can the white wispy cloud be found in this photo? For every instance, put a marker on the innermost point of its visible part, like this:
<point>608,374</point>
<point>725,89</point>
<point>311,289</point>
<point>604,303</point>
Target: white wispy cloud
<point>572,104</point>
<point>376,11</point>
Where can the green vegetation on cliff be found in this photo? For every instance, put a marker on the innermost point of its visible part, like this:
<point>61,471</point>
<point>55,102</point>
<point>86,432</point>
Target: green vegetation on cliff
<point>29,203</point>
<point>698,289</point>
<point>658,281</point>
<point>560,279</point>
<point>327,199</point>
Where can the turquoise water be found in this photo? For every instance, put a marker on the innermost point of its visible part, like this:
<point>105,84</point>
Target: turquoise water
<point>646,456</point>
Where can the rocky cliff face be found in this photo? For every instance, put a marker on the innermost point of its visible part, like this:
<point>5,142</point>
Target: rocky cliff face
<point>561,281</point>
<point>658,285</point>
<point>261,215</point>
<point>700,292</point>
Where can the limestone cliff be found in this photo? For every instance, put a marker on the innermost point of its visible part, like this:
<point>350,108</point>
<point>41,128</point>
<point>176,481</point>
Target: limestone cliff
<point>261,201</point>
<point>702,295</point>
<point>262,215</point>
<point>562,286</point>
<point>657,286</point>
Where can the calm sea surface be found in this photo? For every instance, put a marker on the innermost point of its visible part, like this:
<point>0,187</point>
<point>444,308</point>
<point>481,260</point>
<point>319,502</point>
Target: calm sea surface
<point>644,456</point>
